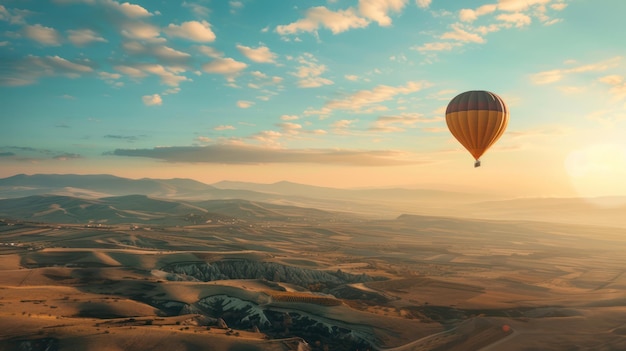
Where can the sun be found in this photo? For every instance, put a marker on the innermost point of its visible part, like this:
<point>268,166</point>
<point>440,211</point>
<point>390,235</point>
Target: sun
<point>598,170</point>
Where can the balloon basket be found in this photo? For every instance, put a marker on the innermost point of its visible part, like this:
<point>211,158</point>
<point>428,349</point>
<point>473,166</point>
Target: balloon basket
<point>477,163</point>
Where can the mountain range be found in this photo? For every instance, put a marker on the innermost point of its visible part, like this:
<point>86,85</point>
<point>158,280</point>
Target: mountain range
<point>75,198</point>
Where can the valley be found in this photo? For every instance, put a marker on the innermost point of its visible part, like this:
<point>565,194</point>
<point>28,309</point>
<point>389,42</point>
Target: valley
<point>140,272</point>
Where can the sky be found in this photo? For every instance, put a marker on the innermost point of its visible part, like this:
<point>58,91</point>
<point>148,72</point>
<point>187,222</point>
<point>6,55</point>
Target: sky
<point>338,93</point>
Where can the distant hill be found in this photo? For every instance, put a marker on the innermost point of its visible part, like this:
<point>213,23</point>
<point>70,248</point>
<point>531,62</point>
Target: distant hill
<point>103,185</point>
<point>286,200</point>
<point>373,194</point>
<point>373,202</point>
<point>112,210</point>
<point>609,211</point>
<point>98,184</point>
<point>146,210</point>
<point>266,211</point>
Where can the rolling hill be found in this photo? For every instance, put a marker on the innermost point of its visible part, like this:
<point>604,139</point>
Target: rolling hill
<point>103,185</point>
<point>286,199</point>
<point>144,209</point>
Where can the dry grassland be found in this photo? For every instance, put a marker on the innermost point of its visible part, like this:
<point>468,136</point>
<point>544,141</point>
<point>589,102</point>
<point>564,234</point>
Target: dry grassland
<point>435,285</point>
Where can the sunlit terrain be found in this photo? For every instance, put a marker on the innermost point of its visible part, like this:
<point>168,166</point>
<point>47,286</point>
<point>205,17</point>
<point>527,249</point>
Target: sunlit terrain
<point>141,272</point>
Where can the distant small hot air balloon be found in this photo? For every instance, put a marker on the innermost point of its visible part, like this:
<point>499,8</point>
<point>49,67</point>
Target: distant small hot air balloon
<point>477,119</point>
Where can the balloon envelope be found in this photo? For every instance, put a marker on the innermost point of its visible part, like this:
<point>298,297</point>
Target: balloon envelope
<point>477,119</point>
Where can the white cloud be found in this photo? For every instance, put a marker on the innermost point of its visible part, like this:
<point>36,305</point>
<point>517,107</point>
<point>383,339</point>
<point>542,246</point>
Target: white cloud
<point>261,80</point>
<point>167,53</point>
<point>224,127</point>
<point>484,30</point>
<point>199,31</point>
<point>512,13</point>
<point>460,34</point>
<point>341,126</point>
<point>519,19</point>
<point>130,71</point>
<point>128,9</point>
<point>309,72</point>
<point>159,51</point>
<point>198,10</point>
<point>267,137</point>
<point>31,68</point>
<point>351,77</point>
<point>367,98</point>
<point>399,123</point>
<point>547,77</point>
<point>377,10</point>
<point>289,117</point>
<point>598,66</point>
<point>469,15</point>
<point>555,75</point>
<point>290,128</point>
<point>320,16</point>
<point>226,66</point>
<point>134,47</point>
<point>82,37</point>
<point>314,82</point>
<point>109,76</point>
<point>235,5</point>
<point>261,54</point>
<point>152,100</point>
<point>618,86</point>
<point>440,46</point>
<point>43,35</point>
<point>12,16</point>
<point>398,58</point>
<point>170,75</point>
<point>258,74</point>
<point>445,95</point>
<point>210,52</point>
<point>552,21</point>
<point>611,79</point>
<point>571,89</point>
<point>423,3</point>
<point>141,31</point>
<point>236,152</point>
<point>68,65</point>
<point>344,123</point>
<point>244,104</point>
<point>519,5</point>
<point>173,90</point>
<point>204,139</point>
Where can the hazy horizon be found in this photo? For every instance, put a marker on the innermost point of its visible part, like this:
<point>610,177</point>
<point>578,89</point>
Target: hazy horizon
<point>336,94</point>
<point>444,187</point>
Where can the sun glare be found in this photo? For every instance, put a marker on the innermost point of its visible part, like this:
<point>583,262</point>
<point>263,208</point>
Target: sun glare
<point>599,170</point>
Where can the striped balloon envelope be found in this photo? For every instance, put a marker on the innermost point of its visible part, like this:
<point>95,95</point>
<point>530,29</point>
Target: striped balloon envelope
<point>477,119</point>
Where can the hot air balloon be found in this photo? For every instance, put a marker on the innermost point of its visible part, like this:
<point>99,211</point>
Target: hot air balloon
<point>477,119</point>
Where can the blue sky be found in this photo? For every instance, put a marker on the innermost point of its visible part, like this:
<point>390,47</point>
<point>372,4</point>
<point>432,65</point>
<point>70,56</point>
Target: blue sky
<point>335,93</point>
